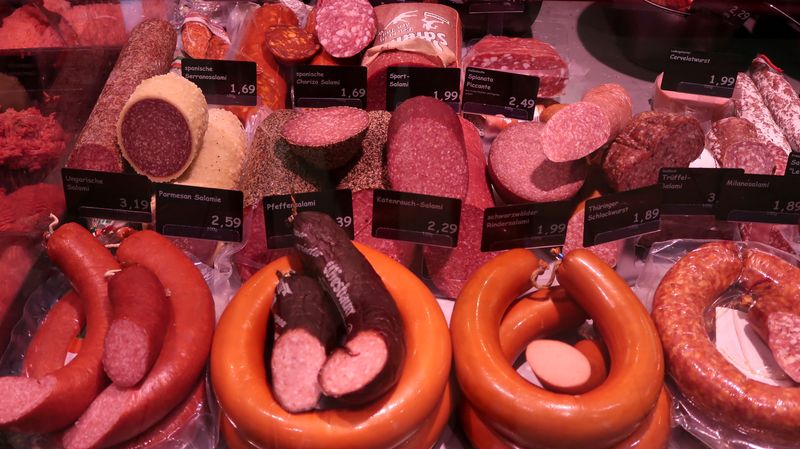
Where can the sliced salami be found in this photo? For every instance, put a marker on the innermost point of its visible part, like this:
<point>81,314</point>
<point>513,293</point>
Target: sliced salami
<point>750,106</point>
<point>478,193</point>
<point>575,132</point>
<point>728,131</point>
<point>345,27</point>
<point>521,173</point>
<point>614,102</point>
<point>751,155</point>
<point>327,138</point>
<point>290,45</point>
<point>608,252</point>
<point>780,98</point>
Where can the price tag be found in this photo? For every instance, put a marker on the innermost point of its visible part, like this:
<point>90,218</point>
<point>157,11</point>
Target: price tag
<point>692,191</point>
<point>112,196</point>
<point>793,166</point>
<point>199,212</point>
<point>223,82</point>
<point>406,82</point>
<point>412,217</point>
<point>734,13</point>
<point>701,73</point>
<point>320,86</point>
<point>622,215</point>
<point>494,92</point>
<point>278,208</point>
<point>534,225</point>
<point>760,199</point>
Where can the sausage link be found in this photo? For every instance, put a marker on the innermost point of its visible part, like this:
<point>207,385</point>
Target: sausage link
<point>119,414</point>
<point>50,344</point>
<point>55,401</point>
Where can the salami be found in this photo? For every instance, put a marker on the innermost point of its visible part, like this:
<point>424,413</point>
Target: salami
<point>607,252</point>
<point>425,149</point>
<point>727,131</point>
<point>370,362</point>
<point>520,172</point>
<point>751,155</point>
<point>195,37</point>
<point>327,138</point>
<point>650,141</point>
<point>780,98</point>
<point>750,106</point>
<point>306,327</point>
<point>377,76</point>
<point>575,131</point>
<point>615,103</point>
<point>290,45</point>
<point>345,27</point>
<point>478,193</point>
<point>148,53</point>
<point>527,56</point>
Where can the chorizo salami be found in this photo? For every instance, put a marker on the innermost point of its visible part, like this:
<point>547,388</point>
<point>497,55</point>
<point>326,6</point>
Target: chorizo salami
<point>307,325</point>
<point>290,45</point>
<point>374,349</point>
<point>345,27</point>
<point>780,98</point>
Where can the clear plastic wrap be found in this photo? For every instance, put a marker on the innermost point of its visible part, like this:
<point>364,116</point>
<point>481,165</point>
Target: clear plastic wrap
<point>753,360</point>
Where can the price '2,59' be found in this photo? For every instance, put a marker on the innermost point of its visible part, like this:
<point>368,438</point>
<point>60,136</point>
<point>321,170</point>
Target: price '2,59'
<point>225,222</point>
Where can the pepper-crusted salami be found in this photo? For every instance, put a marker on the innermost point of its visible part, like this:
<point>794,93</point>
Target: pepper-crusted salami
<point>306,327</point>
<point>345,27</point>
<point>327,138</point>
<point>575,132</point>
<point>370,362</point>
<point>780,98</point>
<point>290,44</point>
<point>750,106</point>
<point>148,53</point>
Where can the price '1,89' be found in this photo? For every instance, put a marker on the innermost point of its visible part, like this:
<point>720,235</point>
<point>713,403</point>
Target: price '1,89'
<point>788,206</point>
<point>225,222</point>
<point>127,204</point>
<point>648,215</point>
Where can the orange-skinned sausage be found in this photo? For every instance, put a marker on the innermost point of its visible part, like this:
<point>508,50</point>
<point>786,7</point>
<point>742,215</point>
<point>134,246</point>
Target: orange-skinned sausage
<point>528,415</point>
<point>48,348</point>
<point>383,424</point>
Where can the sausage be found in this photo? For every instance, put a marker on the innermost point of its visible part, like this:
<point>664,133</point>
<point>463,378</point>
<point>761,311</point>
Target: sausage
<point>119,414</point>
<point>345,28</point>
<point>780,98</point>
<point>597,354</point>
<point>138,325</point>
<point>370,362</point>
<point>379,425</point>
<point>307,325</point>
<point>750,105</point>
<point>425,149</point>
<point>51,343</point>
<point>290,45</point>
<point>327,138</point>
<point>531,416</point>
<point>559,366</point>
<point>147,53</point>
<point>478,193</point>
<point>704,376</point>
<point>614,102</point>
<point>575,131</point>
<point>429,432</point>
<point>550,111</point>
<point>725,132</point>
<point>56,400</point>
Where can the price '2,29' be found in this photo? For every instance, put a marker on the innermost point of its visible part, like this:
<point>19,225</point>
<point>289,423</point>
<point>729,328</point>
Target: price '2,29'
<point>442,228</point>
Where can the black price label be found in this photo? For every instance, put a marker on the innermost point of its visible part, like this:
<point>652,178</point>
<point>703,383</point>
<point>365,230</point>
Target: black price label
<point>406,82</point>
<point>496,6</point>
<point>321,86</point>
<point>278,208</point>
<point>412,217</point>
<point>111,196</point>
<point>760,198</point>
<point>199,212</point>
<point>534,225</point>
<point>494,92</point>
<point>793,166</point>
<point>622,215</point>
<point>701,73</point>
<point>692,191</point>
<point>223,82</point>
<point>735,13</point>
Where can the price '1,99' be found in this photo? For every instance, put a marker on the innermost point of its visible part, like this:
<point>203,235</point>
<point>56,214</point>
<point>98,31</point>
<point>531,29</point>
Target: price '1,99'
<point>726,81</point>
<point>552,229</point>
<point>448,95</point>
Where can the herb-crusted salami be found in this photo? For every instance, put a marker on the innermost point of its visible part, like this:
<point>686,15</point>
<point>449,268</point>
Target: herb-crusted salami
<point>306,327</point>
<point>370,362</point>
<point>327,138</point>
<point>345,27</point>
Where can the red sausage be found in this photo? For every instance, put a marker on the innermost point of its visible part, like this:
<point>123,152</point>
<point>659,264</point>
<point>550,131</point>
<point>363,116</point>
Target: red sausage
<point>56,400</point>
<point>138,324</point>
<point>48,348</point>
<point>119,414</point>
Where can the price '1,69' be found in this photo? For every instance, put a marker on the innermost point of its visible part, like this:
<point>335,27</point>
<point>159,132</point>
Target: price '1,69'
<point>247,89</point>
<point>355,93</point>
<point>225,222</point>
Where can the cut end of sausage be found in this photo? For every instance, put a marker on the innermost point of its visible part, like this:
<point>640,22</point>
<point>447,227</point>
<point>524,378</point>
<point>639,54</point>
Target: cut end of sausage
<point>93,427</point>
<point>145,138</point>
<point>575,132</point>
<point>350,369</point>
<point>560,367</point>
<point>784,341</point>
<point>21,395</point>
<point>126,353</point>
<point>297,359</point>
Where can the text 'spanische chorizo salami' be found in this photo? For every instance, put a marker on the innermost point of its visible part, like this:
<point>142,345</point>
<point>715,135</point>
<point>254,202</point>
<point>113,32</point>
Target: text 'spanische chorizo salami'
<point>327,138</point>
<point>374,351</point>
<point>290,45</point>
<point>781,100</point>
<point>521,172</point>
<point>650,141</point>
<point>148,53</point>
<point>345,27</point>
<point>140,315</point>
<point>425,149</point>
<point>307,325</point>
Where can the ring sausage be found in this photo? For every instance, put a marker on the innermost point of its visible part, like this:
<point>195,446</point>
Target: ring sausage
<point>704,376</point>
<point>119,414</point>
<point>50,344</point>
<point>380,425</point>
<point>56,400</point>
<point>527,415</point>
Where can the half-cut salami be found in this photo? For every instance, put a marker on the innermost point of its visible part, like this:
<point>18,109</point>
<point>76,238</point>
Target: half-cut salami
<point>726,132</point>
<point>614,102</point>
<point>290,44</point>
<point>345,27</point>
<point>575,132</point>
<point>327,138</point>
<point>751,155</point>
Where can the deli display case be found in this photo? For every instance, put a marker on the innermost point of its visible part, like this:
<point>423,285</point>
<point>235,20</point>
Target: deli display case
<point>446,224</point>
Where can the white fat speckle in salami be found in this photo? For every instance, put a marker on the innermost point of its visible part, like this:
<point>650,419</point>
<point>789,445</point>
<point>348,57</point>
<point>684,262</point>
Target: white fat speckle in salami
<point>751,155</point>
<point>346,27</point>
<point>780,98</point>
<point>575,132</point>
<point>750,106</point>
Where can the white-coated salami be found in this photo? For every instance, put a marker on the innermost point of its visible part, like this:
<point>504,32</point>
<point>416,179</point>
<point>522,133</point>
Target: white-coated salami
<point>780,98</point>
<point>750,106</point>
<point>345,27</point>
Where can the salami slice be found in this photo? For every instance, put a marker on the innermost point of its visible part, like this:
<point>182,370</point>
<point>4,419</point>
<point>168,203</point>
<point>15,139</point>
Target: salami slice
<point>751,155</point>
<point>575,132</point>
<point>327,138</point>
<point>290,45</point>
<point>614,101</point>
<point>750,106</point>
<point>195,37</point>
<point>345,27</point>
<point>521,173</point>
<point>726,132</point>
<point>478,193</point>
<point>780,98</point>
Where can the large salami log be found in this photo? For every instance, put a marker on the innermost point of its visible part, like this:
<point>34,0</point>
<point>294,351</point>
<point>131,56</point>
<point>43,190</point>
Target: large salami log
<point>750,106</point>
<point>148,53</point>
<point>781,99</point>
